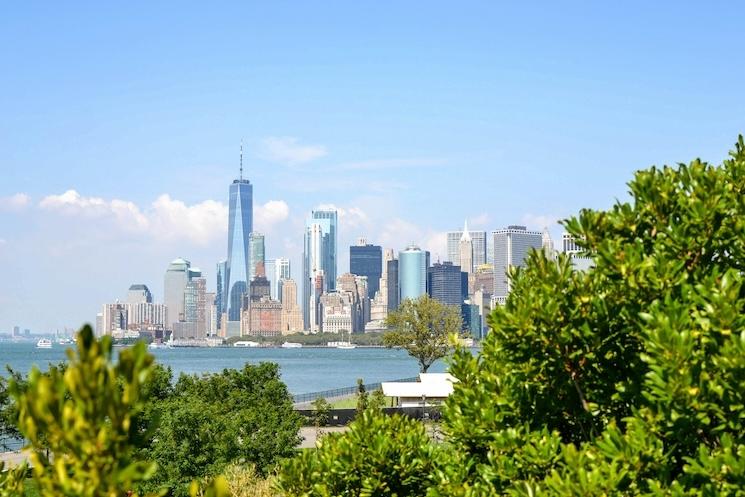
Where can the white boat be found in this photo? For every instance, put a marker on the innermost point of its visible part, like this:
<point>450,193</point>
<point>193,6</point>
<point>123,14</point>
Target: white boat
<point>246,343</point>
<point>44,343</point>
<point>291,345</point>
<point>345,345</point>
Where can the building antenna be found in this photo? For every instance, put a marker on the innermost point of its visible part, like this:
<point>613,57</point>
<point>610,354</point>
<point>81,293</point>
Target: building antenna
<point>241,176</point>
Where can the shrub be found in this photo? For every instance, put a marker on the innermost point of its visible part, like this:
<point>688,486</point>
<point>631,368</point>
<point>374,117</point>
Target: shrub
<point>379,456</point>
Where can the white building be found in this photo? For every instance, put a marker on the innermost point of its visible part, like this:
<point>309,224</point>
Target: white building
<point>511,248</point>
<point>431,390</point>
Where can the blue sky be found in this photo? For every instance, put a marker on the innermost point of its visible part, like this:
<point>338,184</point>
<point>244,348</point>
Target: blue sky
<point>407,116</point>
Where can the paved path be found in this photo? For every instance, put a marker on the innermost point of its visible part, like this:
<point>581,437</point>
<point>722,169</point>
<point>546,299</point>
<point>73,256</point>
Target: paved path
<point>13,458</point>
<point>310,435</point>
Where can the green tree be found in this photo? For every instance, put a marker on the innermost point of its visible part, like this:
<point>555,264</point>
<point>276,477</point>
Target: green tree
<point>321,412</point>
<point>208,423</point>
<point>423,327</point>
<point>362,397</point>
<point>79,422</point>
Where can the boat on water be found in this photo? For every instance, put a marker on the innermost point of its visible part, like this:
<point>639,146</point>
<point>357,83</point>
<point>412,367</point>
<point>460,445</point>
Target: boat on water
<point>291,345</point>
<point>64,341</point>
<point>44,343</point>
<point>345,345</point>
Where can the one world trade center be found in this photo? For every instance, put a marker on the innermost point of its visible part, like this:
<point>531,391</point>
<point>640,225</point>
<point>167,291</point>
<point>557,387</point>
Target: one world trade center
<point>240,225</point>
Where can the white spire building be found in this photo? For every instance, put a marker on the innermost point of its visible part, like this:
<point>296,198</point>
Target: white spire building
<point>465,250</point>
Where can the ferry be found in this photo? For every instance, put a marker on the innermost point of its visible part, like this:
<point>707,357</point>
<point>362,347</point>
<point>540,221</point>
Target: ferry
<point>44,343</point>
<point>291,345</point>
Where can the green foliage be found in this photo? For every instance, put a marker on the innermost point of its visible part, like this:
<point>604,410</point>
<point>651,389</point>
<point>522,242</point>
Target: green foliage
<point>8,411</point>
<point>628,379</point>
<point>379,456</point>
<point>376,400</point>
<point>321,411</point>
<point>362,397</point>
<point>12,480</point>
<point>423,327</point>
<point>638,365</point>
<point>79,422</point>
<point>210,422</point>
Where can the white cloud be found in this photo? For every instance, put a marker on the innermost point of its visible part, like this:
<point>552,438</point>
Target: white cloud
<point>271,213</point>
<point>479,221</point>
<point>166,219</point>
<point>170,219</point>
<point>540,221</point>
<point>287,150</point>
<point>399,233</point>
<point>351,217</point>
<point>14,202</point>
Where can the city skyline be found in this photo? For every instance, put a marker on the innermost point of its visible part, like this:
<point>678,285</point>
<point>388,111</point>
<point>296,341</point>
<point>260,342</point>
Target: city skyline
<point>117,149</point>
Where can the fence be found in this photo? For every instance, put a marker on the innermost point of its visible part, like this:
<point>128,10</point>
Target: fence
<point>340,392</point>
<point>342,417</point>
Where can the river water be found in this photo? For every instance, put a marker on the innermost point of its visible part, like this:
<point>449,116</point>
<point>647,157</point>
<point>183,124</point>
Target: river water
<point>304,370</point>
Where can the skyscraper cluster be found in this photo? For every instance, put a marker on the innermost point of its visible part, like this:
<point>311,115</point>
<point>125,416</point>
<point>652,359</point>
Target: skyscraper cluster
<point>256,295</point>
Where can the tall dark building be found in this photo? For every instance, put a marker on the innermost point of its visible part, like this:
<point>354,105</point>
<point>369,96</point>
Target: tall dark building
<point>393,292</point>
<point>445,283</point>
<point>367,260</point>
<point>259,287</point>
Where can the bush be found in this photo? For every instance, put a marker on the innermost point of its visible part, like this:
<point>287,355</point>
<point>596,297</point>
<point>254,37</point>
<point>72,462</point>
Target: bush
<point>79,422</point>
<point>379,455</point>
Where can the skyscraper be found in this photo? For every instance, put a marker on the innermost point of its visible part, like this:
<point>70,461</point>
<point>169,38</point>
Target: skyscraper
<point>446,283</point>
<point>511,247</point>
<point>465,251</point>
<point>220,291</point>
<point>240,225</point>
<point>176,278</point>
<point>394,293</point>
<point>478,243</point>
<point>367,260</point>
<point>281,273</point>
<point>256,255</point>
<point>195,305</point>
<point>292,317</point>
<point>319,255</point>
<point>412,273</point>
<point>139,294</point>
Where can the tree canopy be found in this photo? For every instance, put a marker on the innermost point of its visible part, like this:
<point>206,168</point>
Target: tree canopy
<point>423,327</point>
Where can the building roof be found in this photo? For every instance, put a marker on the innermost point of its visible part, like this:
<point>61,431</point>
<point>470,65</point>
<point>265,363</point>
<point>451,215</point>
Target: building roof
<point>139,286</point>
<point>431,385</point>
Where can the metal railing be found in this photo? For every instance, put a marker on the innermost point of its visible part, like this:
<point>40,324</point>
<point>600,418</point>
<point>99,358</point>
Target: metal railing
<point>341,392</point>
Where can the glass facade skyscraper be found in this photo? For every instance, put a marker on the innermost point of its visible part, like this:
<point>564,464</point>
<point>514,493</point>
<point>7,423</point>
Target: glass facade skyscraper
<point>240,225</point>
<point>257,256</point>
<point>446,283</point>
<point>367,260</point>
<point>412,273</point>
<point>319,256</point>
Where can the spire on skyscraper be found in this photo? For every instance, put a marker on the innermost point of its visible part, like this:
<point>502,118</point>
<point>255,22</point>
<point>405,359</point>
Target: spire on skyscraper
<point>241,175</point>
<point>466,237</point>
